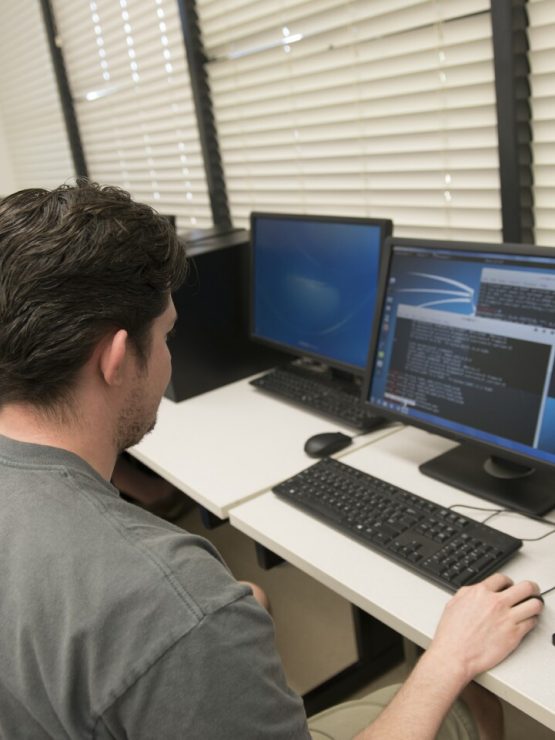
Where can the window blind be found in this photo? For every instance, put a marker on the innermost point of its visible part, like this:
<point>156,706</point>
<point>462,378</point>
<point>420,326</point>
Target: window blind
<point>541,17</point>
<point>382,109</point>
<point>127,70</point>
<point>34,127</point>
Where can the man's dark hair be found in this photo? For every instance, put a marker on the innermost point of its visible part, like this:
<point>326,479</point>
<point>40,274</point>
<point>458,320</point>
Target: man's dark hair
<point>75,263</point>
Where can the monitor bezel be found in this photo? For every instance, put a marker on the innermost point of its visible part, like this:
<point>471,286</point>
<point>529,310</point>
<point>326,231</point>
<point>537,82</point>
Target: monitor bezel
<point>386,228</point>
<point>526,250</point>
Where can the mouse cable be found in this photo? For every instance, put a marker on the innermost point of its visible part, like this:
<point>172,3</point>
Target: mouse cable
<point>496,512</point>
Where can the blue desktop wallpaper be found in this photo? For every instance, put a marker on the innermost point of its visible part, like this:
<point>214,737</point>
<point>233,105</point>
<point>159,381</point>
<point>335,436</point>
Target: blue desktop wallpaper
<point>450,285</point>
<point>315,286</point>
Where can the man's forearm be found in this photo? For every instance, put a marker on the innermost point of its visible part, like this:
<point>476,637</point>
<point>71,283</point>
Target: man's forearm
<point>479,627</point>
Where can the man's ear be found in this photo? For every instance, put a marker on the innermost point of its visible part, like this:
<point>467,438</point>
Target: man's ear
<point>113,357</point>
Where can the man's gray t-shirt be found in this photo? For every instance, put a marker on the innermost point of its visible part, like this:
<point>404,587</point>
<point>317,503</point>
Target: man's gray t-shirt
<point>117,624</point>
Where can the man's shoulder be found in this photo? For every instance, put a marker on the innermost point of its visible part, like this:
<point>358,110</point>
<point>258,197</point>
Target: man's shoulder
<point>150,555</point>
<point>184,564</point>
<point>120,586</point>
<point>70,519</point>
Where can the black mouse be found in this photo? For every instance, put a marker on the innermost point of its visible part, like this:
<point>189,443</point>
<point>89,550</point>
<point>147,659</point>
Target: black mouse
<point>326,443</point>
<point>534,596</point>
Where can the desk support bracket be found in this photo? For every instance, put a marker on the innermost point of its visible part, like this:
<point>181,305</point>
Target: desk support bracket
<point>265,558</point>
<point>210,521</point>
<point>379,649</point>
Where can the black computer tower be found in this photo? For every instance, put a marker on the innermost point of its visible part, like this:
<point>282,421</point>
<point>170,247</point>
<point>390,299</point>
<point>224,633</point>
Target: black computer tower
<point>211,345</point>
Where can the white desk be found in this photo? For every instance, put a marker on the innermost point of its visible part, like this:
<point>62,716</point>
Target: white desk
<point>397,597</point>
<point>228,445</point>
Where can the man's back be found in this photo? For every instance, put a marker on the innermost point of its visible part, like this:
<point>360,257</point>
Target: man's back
<point>118,624</point>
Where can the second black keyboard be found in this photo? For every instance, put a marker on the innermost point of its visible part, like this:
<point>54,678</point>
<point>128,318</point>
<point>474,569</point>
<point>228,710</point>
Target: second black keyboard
<point>330,397</point>
<point>438,543</point>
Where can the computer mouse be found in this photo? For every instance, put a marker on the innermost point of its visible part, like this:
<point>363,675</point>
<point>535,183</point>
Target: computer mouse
<point>534,596</point>
<point>326,443</point>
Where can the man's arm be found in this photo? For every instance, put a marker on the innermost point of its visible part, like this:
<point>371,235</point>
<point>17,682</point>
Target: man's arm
<point>222,679</point>
<point>480,626</point>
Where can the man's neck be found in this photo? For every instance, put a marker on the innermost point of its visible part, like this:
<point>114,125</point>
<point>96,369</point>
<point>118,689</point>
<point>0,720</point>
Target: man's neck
<point>25,423</point>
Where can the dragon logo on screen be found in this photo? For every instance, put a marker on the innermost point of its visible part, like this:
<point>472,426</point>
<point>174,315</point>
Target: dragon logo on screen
<point>459,293</point>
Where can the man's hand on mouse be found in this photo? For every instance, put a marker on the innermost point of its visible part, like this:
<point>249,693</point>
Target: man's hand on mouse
<point>484,623</point>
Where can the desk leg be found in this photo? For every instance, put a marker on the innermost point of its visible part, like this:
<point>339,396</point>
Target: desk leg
<point>210,521</point>
<point>265,558</point>
<point>379,649</point>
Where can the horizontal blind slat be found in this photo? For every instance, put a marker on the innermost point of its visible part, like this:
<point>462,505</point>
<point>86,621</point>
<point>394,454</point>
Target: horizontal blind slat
<point>394,113</point>
<point>33,123</point>
<point>127,68</point>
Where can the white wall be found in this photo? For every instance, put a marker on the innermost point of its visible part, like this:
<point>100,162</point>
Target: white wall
<point>7,180</point>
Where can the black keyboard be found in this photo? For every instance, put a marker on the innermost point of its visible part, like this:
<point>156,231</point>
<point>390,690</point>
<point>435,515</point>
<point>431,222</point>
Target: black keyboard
<point>330,397</point>
<point>439,544</point>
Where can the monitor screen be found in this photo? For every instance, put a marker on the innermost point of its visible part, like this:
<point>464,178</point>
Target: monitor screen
<point>314,282</point>
<point>465,344</point>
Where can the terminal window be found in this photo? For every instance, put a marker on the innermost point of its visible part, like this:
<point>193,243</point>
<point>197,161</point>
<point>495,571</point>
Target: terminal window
<point>468,340</point>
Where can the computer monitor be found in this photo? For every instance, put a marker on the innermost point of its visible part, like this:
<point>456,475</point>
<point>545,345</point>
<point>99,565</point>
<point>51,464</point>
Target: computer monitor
<point>464,346</point>
<point>313,285</point>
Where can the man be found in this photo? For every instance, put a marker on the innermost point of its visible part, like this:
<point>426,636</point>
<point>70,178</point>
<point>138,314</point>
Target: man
<point>115,623</point>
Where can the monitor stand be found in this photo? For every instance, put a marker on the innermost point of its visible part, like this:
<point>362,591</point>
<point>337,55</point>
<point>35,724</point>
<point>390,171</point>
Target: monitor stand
<point>512,486</point>
<point>321,369</point>
<point>310,365</point>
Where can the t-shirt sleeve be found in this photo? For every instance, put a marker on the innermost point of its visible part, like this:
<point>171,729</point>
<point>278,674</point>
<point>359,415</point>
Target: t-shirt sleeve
<point>223,679</point>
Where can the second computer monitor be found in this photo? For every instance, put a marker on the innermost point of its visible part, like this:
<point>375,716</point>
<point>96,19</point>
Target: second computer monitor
<point>465,346</point>
<point>314,282</point>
